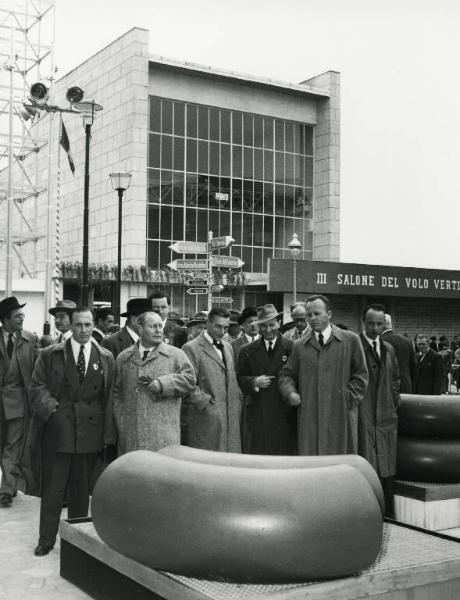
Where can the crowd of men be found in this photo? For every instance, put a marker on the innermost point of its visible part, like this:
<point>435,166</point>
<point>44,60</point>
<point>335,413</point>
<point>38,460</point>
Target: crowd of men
<point>224,382</point>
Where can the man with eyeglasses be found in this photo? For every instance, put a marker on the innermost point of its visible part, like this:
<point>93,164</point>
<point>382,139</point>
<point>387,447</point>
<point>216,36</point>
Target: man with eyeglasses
<point>299,318</point>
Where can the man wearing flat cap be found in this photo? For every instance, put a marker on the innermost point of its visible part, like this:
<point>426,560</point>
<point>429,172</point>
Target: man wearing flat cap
<point>129,334</point>
<point>270,426</point>
<point>18,351</point>
<point>62,313</point>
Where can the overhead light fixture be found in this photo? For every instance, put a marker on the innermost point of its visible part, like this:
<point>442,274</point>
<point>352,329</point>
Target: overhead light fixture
<point>39,93</point>
<point>74,94</point>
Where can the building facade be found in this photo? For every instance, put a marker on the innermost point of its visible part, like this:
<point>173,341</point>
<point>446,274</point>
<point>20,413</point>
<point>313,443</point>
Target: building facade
<point>208,150</point>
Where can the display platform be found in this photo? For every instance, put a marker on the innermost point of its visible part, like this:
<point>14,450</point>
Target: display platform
<point>412,565</point>
<point>434,506</point>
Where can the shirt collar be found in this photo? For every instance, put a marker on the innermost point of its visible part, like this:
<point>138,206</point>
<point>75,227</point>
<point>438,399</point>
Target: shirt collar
<point>76,345</point>
<point>132,334</point>
<point>207,336</point>
<point>326,333</point>
<point>371,341</point>
<point>250,339</point>
<point>272,342</point>
<point>6,334</point>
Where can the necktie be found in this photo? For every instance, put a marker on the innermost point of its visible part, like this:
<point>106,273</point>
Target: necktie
<point>219,345</point>
<point>146,353</point>
<point>321,339</point>
<point>10,345</point>
<point>375,351</point>
<point>270,349</point>
<point>81,364</point>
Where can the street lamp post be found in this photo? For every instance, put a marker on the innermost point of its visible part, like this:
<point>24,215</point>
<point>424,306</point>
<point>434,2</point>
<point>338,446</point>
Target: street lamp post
<point>294,247</point>
<point>87,109</point>
<point>120,183</point>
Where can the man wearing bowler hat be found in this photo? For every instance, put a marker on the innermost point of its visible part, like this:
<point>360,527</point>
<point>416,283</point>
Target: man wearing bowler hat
<point>250,330</point>
<point>18,351</point>
<point>270,426</point>
<point>129,334</point>
<point>62,313</point>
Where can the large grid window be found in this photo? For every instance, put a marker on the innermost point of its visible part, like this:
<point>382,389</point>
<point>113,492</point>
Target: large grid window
<point>229,172</point>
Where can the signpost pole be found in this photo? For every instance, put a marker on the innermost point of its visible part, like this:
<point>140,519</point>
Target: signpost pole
<point>209,270</point>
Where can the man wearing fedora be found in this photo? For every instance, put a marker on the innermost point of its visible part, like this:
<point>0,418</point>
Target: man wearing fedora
<point>196,324</point>
<point>250,330</point>
<point>18,351</point>
<point>326,377</point>
<point>129,334</point>
<point>70,395</point>
<point>270,426</point>
<point>214,406</point>
<point>62,313</point>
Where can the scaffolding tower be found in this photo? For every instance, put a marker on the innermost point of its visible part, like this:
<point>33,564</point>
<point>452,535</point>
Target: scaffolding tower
<point>26,56</point>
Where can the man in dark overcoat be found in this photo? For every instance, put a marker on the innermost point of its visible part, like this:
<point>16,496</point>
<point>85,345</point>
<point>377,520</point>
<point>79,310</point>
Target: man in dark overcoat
<point>270,423</point>
<point>404,353</point>
<point>429,372</point>
<point>378,412</point>
<point>18,351</point>
<point>247,320</point>
<point>129,334</point>
<point>172,333</point>
<point>326,377</point>
<point>70,394</point>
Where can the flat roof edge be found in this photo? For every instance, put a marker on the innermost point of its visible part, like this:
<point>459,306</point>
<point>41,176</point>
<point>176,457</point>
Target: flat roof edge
<point>217,73</point>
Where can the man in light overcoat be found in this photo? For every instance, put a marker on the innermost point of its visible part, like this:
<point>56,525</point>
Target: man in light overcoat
<point>326,377</point>
<point>151,377</point>
<point>214,407</point>
<point>18,351</point>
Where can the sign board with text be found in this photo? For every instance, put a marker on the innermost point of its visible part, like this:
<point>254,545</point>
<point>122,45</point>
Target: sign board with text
<point>185,247</point>
<point>188,264</point>
<point>196,291</point>
<point>320,277</point>
<point>230,262</point>
<point>224,241</point>
<point>222,300</point>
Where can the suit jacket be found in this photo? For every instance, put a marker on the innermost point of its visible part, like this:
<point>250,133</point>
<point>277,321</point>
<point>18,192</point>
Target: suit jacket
<point>47,382</point>
<point>26,348</point>
<point>214,407</point>
<point>270,425</point>
<point>429,375</point>
<point>237,345</point>
<point>174,335</point>
<point>118,341</point>
<point>406,358</point>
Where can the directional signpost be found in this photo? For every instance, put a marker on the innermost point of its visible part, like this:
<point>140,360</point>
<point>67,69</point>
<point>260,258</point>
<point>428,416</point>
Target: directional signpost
<point>200,269</point>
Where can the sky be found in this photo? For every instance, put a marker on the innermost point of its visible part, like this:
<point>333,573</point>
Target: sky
<point>400,97</point>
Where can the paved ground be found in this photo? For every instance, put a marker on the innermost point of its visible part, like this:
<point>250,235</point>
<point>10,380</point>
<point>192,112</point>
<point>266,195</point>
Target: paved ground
<point>24,576</point>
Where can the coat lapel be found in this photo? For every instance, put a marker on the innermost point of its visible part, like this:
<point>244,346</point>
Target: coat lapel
<point>261,355</point>
<point>209,350</point>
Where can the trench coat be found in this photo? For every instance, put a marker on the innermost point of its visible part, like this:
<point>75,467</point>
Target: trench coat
<point>214,407</point>
<point>378,412</point>
<point>270,423</point>
<point>331,382</point>
<point>144,420</point>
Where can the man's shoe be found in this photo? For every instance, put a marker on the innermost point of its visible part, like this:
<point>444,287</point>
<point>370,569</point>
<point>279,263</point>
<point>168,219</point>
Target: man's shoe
<point>6,500</point>
<point>42,550</point>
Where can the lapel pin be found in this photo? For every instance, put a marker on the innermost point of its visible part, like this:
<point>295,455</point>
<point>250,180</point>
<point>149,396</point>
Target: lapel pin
<point>95,366</point>
<point>284,358</point>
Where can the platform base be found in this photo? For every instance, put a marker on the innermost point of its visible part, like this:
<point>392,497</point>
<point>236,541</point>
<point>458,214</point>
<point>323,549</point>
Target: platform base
<point>428,505</point>
<point>412,565</point>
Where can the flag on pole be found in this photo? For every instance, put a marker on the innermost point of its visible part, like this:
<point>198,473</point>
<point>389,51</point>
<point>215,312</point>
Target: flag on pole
<point>64,141</point>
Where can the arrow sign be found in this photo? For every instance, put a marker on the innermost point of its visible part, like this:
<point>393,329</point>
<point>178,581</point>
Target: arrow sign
<point>218,243</point>
<point>197,290</point>
<point>197,282</point>
<point>188,264</point>
<point>221,299</point>
<point>189,247</point>
<point>232,262</point>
